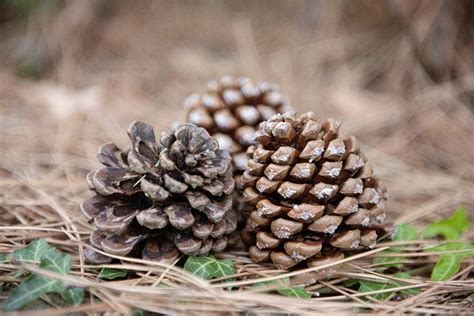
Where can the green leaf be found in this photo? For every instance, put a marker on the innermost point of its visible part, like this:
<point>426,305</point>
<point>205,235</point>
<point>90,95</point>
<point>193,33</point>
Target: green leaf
<point>73,296</point>
<point>282,286</point>
<point>280,283</point>
<point>137,312</point>
<point>203,267</point>
<point>56,261</point>
<point>32,288</point>
<point>112,274</point>
<point>405,232</point>
<point>446,267</point>
<point>405,275</point>
<point>295,291</point>
<point>450,264</point>
<point>388,262</point>
<point>369,286</point>
<point>33,252</point>
<point>450,228</point>
<point>350,282</point>
<point>468,250</point>
<point>209,267</point>
<point>224,268</point>
<point>4,258</point>
<point>466,247</point>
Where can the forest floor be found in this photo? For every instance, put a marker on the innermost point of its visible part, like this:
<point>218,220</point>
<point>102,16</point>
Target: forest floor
<point>74,78</point>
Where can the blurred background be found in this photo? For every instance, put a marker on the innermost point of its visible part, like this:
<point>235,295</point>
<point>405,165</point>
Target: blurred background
<point>399,74</point>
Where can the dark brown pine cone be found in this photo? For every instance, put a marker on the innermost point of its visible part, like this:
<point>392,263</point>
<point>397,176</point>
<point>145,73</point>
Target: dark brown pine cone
<point>160,199</point>
<point>313,193</point>
<point>231,110</point>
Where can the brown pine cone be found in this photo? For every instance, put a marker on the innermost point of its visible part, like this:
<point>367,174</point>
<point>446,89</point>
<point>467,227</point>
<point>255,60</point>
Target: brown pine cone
<point>313,193</point>
<point>231,110</point>
<point>159,199</point>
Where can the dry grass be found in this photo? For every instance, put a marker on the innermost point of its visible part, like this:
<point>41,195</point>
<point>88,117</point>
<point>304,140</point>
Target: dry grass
<point>369,64</point>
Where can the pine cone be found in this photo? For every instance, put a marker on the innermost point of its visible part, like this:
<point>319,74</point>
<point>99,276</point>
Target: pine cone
<point>313,193</point>
<point>159,199</point>
<point>231,110</point>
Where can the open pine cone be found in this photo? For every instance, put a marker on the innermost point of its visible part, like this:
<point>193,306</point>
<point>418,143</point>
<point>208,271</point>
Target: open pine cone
<point>313,193</point>
<point>231,110</point>
<point>160,199</point>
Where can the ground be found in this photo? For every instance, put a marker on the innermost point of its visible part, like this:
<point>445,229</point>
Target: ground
<point>73,75</point>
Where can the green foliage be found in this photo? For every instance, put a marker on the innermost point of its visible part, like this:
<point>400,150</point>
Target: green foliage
<point>31,253</point>
<point>449,264</point>
<point>137,312</point>
<point>404,232</point>
<point>389,262</point>
<point>56,261</point>
<point>112,274</point>
<point>450,228</point>
<point>209,267</point>
<point>282,286</point>
<point>370,286</point>
<point>73,295</point>
<point>3,258</point>
<point>294,291</point>
<point>224,268</point>
<point>284,282</point>
<point>446,267</point>
<point>29,290</point>
<point>34,286</point>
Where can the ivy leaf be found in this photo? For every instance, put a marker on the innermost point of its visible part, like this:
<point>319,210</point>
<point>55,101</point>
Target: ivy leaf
<point>284,282</point>
<point>468,248</point>
<point>450,228</point>
<point>224,268</point>
<point>369,286</point>
<point>32,288</point>
<point>203,267</point>
<point>389,262</point>
<point>350,282</point>
<point>56,261</point>
<point>73,296</point>
<point>446,267</point>
<point>282,286</point>
<point>405,275</point>
<point>450,264</point>
<point>405,232</point>
<point>294,291</point>
<point>112,274</point>
<point>3,258</point>
<point>209,267</point>
<point>32,253</point>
